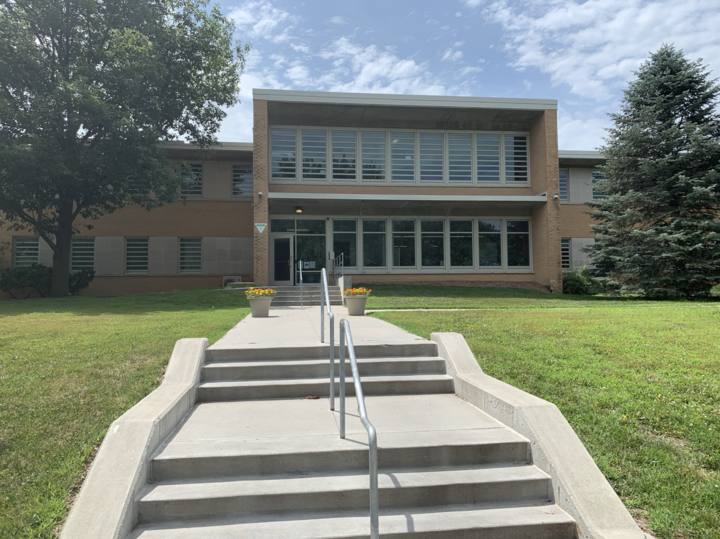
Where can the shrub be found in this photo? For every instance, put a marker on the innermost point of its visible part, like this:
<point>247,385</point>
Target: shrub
<point>580,283</point>
<point>19,282</point>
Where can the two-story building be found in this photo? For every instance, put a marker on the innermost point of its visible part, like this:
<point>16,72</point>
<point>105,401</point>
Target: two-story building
<point>401,188</point>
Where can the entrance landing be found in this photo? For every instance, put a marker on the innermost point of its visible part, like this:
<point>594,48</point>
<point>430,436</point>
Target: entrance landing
<point>300,326</point>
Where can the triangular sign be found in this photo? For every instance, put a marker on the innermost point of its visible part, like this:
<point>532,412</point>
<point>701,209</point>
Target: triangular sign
<point>260,227</point>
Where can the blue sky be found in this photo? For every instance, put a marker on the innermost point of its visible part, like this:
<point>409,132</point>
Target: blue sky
<point>580,53</point>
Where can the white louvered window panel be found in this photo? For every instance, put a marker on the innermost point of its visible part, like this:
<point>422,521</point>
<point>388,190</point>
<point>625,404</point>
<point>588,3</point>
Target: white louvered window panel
<point>432,153</point>
<point>488,158</point>
<point>563,184</point>
<point>344,154</point>
<point>314,155</point>
<point>516,158</point>
<point>402,156</point>
<point>373,147</point>
<point>190,255</point>
<point>597,193</point>
<point>136,255</point>
<point>460,157</point>
<point>192,186</point>
<point>242,181</point>
<point>26,252</point>
<point>283,150</point>
<point>83,254</point>
<point>565,250</point>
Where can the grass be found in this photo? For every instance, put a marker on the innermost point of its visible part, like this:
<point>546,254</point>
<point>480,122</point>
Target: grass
<point>639,381</point>
<point>68,368</point>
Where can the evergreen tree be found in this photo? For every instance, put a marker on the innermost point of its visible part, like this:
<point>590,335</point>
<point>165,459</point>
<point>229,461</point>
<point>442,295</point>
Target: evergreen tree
<point>659,230</point>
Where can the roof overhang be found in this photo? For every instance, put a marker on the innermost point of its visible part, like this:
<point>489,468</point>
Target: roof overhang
<point>575,158</point>
<point>223,151</point>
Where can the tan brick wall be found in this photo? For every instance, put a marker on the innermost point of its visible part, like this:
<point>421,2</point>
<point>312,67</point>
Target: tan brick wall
<point>574,221</point>
<point>261,175</point>
<point>451,280</point>
<point>546,218</point>
<point>109,286</point>
<point>195,218</point>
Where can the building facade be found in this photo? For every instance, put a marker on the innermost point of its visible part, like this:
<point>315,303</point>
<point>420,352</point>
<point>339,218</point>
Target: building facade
<point>402,189</point>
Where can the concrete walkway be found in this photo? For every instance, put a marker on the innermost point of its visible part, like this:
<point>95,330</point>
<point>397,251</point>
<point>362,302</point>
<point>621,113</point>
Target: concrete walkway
<point>300,326</point>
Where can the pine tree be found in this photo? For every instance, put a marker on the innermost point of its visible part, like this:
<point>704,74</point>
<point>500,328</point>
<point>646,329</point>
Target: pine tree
<point>658,231</point>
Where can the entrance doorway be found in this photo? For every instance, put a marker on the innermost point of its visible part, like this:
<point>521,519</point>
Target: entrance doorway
<point>283,250</point>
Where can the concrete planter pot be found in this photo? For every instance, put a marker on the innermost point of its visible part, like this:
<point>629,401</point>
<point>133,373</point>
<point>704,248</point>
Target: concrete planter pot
<point>260,307</point>
<point>356,305</point>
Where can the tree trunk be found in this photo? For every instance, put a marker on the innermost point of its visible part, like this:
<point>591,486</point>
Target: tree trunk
<point>62,253</point>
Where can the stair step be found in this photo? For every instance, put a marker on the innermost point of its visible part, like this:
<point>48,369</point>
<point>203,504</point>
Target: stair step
<point>480,522</point>
<point>304,303</point>
<point>288,389</point>
<point>422,348</point>
<point>318,368</point>
<point>321,492</point>
<point>226,459</point>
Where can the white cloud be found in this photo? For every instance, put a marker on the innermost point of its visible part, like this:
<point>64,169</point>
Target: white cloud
<point>594,46</point>
<point>581,133</point>
<point>445,27</point>
<point>458,14</point>
<point>259,19</point>
<point>528,85</point>
<point>473,3</point>
<point>451,55</point>
<point>337,20</point>
<point>467,70</point>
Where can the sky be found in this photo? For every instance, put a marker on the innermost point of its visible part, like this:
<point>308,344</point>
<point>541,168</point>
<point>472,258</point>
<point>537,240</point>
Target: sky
<point>580,53</point>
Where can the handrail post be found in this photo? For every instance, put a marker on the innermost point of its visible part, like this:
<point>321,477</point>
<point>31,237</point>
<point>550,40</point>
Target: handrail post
<point>342,380</point>
<point>322,314</point>
<point>300,266</point>
<point>331,319</point>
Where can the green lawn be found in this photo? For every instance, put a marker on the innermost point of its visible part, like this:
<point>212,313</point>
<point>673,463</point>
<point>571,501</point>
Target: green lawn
<point>68,368</point>
<point>639,381</point>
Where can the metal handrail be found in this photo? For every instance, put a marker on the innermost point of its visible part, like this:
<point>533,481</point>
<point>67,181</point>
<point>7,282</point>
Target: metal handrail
<point>345,334</point>
<point>339,267</point>
<point>325,304</point>
<point>300,265</point>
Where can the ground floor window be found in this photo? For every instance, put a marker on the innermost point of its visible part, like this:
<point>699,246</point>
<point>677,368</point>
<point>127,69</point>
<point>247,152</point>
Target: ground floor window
<point>432,244</point>
<point>345,241</point>
<point>565,250</point>
<point>190,255</point>
<point>26,251</point>
<point>403,243</point>
<point>374,244</point>
<point>83,253</point>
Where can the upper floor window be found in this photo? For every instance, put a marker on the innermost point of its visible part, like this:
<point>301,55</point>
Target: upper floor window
<point>26,251</point>
<point>596,178</point>
<point>242,181</point>
<point>193,184</point>
<point>563,184</point>
<point>399,156</point>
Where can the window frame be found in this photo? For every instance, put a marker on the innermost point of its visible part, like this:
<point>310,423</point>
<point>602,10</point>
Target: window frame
<point>569,266</point>
<point>201,177</point>
<point>246,166</point>
<point>388,162</point>
<point>565,200</point>
<point>126,271</point>
<point>597,176</point>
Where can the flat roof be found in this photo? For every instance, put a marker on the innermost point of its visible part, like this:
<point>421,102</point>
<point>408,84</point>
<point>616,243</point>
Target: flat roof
<point>403,100</point>
<point>222,146</point>
<point>580,154</point>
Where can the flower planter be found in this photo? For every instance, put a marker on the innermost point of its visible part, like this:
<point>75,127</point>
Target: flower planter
<point>260,307</point>
<point>356,305</point>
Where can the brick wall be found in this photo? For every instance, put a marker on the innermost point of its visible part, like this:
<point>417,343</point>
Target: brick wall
<point>261,175</point>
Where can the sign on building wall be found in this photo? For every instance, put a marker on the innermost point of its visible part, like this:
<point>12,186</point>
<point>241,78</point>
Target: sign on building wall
<point>260,227</point>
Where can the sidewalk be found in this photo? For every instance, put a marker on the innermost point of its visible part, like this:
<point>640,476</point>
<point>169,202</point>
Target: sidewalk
<point>300,326</point>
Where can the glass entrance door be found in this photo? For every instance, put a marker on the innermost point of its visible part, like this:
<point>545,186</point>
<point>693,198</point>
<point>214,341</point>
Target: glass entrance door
<point>282,260</point>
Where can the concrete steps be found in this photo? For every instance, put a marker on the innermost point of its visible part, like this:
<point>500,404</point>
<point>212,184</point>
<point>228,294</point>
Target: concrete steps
<point>289,296</point>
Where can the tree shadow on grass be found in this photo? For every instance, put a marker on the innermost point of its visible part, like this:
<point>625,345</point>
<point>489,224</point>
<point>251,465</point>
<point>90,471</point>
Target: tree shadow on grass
<point>177,301</point>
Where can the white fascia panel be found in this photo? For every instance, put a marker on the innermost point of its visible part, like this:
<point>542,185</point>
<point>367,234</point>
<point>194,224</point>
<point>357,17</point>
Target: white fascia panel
<point>580,154</point>
<point>404,198</point>
<point>402,100</point>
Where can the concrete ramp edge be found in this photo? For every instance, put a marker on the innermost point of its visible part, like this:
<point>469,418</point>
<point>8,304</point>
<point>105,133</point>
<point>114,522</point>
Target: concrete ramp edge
<point>104,508</point>
<point>579,487</point>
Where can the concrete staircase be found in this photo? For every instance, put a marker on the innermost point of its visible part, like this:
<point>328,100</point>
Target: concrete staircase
<point>289,296</point>
<point>249,462</point>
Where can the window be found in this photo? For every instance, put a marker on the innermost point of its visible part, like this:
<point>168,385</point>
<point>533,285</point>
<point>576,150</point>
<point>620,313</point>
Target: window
<point>563,184</point>
<point>516,158</point>
<point>283,147</point>
<point>402,157</point>
<point>136,255</point>
<point>314,155</point>
<point>190,255</point>
<point>25,251</point>
<point>242,181</point>
<point>82,254</point>
<point>431,157</point>
<point>282,225</point>
<point>310,226</point>
<point>373,156</point>
<point>432,243</point>
<point>344,152</point>
<point>565,253</point>
<point>193,185</point>
<point>596,178</point>
<point>460,158</point>
<point>403,243</point>
<point>345,241</point>
<point>461,244</point>
<point>518,243</point>
<point>490,243</point>
<point>488,158</point>
<point>374,243</point>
